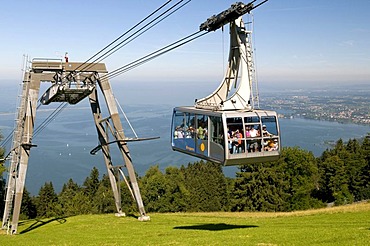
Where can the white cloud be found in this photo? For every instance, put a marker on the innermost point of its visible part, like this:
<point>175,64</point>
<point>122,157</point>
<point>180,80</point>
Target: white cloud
<point>347,43</point>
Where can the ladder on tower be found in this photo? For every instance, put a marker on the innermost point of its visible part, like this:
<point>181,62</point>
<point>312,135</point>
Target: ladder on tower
<point>17,143</point>
<point>252,71</point>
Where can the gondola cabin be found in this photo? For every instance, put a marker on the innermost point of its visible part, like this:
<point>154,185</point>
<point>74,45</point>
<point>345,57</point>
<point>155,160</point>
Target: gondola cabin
<point>228,138</point>
<point>227,127</point>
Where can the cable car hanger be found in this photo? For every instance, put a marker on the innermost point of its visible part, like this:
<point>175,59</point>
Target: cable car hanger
<point>240,62</point>
<point>227,127</point>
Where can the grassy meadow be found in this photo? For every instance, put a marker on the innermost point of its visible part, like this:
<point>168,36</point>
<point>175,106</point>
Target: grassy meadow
<point>345,225</point>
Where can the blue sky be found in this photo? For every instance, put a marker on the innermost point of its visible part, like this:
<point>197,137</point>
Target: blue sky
<point>300,41</point>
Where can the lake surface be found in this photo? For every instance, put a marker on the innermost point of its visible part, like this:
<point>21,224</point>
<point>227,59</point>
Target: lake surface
<point>64,146</point>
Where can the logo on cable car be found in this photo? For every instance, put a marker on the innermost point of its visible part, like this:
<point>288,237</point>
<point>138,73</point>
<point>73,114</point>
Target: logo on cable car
<point>202,147</point>
<point>189,148</point>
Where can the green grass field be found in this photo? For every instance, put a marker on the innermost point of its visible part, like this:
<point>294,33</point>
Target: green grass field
<point>345,225</point>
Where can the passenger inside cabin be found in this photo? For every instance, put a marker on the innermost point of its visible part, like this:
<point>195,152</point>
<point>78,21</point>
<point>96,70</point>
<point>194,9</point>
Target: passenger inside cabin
<point>178,133</point>
<point>265,133</point>
<point>247,132</point>
<point>190,133</point>
<point>254,132</point>
<point>271,145</point>
<point>253,144</point>
<point>237,142</point>
<point>229,140</point>
<point>276,145</point>
<point>202,131</point>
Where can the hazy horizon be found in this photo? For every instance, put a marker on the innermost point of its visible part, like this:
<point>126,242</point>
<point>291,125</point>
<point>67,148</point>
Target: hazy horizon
<point>299,42</point>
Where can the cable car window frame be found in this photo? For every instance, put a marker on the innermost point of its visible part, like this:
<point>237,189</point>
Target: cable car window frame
<point>236,143</point>
<point>271,139</point>
<point>216,144</point>
<point>253,142</point>
<point>180,123</point>
<point>204,148</point>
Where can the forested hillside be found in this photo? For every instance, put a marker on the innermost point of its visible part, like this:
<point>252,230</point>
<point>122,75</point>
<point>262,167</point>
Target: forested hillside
<point>297,181</point>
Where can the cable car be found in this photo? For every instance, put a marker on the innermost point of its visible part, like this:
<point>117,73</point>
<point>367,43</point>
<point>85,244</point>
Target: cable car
<point>226,137</point>
<point>225,127</point>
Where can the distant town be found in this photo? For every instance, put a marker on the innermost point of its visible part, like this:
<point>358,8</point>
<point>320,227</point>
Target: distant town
<point>344,106</point>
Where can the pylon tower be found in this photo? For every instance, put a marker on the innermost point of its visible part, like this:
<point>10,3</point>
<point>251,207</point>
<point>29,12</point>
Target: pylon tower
<point>71,82</point>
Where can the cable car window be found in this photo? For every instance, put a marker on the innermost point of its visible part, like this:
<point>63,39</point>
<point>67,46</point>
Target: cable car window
<point>178,124</point>
<point>189,125</point>
<point>269,123</point>
<point>217,140</point>
<point>200,141</point>
<point>202,127</point>
<point>216,131</point>
<point>252,119</point>
<point>184,131</point>
<point>253,138</point>
<point>270,133</point>
<point>235,135</point>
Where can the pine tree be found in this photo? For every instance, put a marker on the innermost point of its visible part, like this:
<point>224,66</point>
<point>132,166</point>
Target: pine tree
<point>103,199</point>
<point>67,198</point>
<point>334,181</point>
<point>207,186</point>
<point>154,189</point>
<point>365,149</point>
<point>128,203</point>
<point>91,183</point>
<point>355,165</point>
<point>28,207</point>
<point>47,202</point>
<point>283,185</point>
<point>177,196</point>
<point>258,187</point>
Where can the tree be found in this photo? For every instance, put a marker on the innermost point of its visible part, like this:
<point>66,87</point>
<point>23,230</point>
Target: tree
<point>67,198</point>
<point>258,187</point>
<point>90,187</point>
<point>283,185</point>
<point>103,199</point>
<point>28,207</point>
<point>47,202</point>
<point>91,183</point>
<point>207,187</point>
<point>334,178</point>
<point>154,189</point>
<point>355,165</point>
<point>345,172</point>
<point>127,201</point>
<point>301,171</point>
<point>177,196</point>
<point>365,149</point>
<point>165,192</point>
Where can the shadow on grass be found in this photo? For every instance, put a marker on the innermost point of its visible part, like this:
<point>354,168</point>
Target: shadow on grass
<point>38,223</point>
<point>132,215</point>
<point>214,227</point>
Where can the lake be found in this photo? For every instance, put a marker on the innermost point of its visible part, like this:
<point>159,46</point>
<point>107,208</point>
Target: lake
<point>64,146</point>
